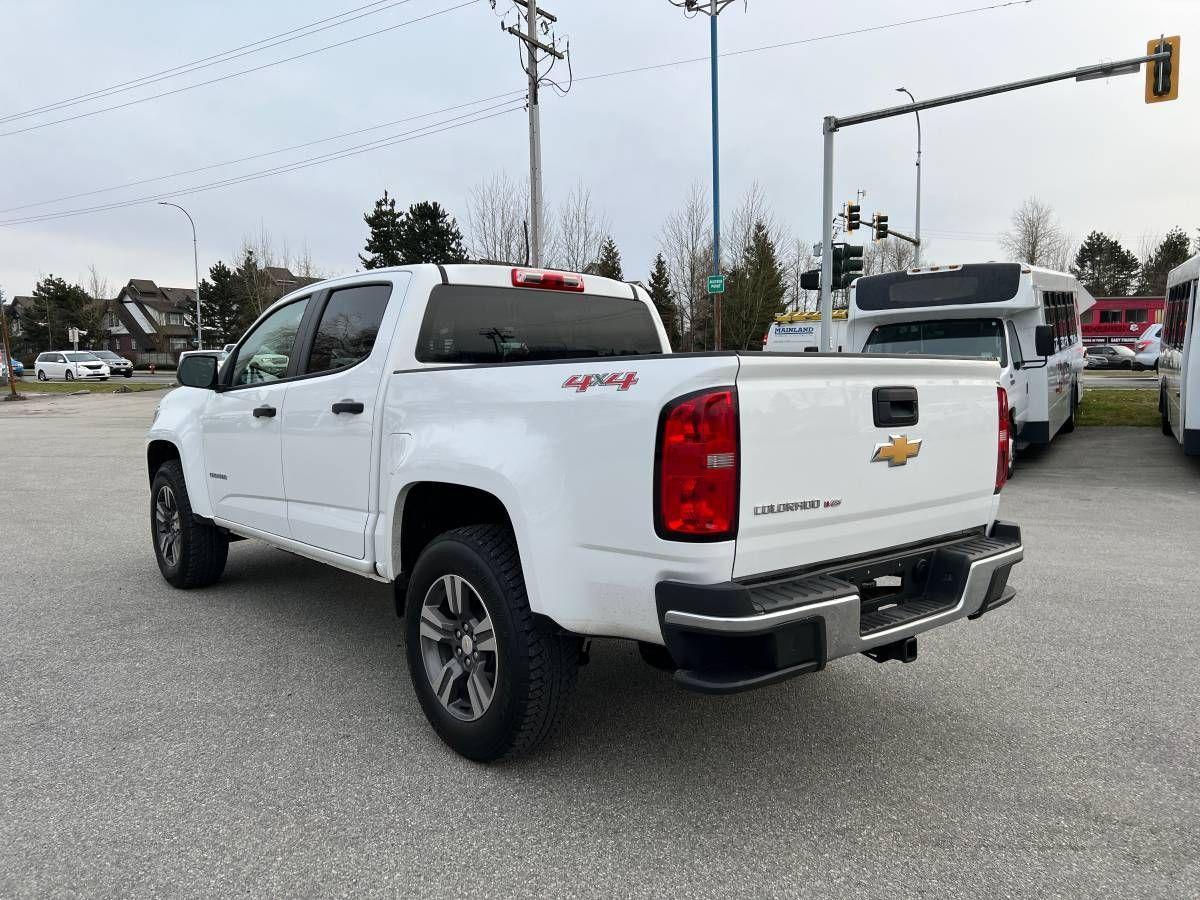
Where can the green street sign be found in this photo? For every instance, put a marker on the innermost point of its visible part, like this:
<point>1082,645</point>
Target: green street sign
<point>716,284</point>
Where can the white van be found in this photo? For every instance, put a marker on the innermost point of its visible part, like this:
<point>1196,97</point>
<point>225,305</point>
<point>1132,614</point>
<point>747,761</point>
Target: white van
<point>799,332</point>
<point>990,310</point>
<point>1179,362</point>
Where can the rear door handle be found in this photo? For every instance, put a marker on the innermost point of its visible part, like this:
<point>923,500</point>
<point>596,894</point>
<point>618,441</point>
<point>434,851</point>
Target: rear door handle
<point>264,412</point>
<point>347,406</point>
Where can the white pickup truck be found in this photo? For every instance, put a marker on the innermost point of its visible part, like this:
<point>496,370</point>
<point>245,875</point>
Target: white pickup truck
<point>520,453</point>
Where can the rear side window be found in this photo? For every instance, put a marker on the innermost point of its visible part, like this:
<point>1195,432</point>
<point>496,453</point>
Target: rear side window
<point>348,327</point>
<point>469,324</point>
<point>972,283</point>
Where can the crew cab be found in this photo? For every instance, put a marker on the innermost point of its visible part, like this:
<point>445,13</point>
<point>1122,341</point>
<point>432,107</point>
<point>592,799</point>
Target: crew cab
<point>521,454</point>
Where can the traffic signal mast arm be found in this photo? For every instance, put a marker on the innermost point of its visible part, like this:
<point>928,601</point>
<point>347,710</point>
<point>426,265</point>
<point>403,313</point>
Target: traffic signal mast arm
<point>1164,86</point>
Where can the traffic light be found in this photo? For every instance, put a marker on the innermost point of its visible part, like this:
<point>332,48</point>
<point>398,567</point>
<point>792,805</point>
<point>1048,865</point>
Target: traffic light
<point>853,216</point>
<point>1162,75</point>
<point>847,264</point>
<point>852,265</point>
<point>881,226</point>
<point>810,280</point>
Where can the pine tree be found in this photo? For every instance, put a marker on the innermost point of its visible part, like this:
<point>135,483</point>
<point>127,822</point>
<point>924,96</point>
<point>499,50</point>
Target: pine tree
<point>57,306</point>
<point>664,299</point>
<point>427,233</point>
<point>755,292</point>
<point>383,238</point>
<point>221,306</point>
<point>1105,267</point>
<point>1171,251</point>
<point>609,263</point>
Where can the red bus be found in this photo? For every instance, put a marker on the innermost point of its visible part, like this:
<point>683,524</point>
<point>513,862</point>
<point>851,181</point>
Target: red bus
<point>1120,320</point>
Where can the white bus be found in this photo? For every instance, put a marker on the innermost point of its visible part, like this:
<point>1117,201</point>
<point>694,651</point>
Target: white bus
<point>1179,362</point>
<point>1023,316</point>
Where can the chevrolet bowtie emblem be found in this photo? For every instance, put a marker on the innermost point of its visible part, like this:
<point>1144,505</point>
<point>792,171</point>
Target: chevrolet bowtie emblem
<point>896,451</point>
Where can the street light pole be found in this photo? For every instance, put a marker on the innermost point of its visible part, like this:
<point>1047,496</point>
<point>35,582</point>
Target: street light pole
<point>917,113</point>
<point>195,269</point>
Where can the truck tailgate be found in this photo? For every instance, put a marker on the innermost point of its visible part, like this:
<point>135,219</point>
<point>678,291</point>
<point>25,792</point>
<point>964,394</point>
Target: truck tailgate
<point>810,490</point>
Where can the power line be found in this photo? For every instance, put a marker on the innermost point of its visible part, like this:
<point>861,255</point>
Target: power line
<point>215,59</point>
<point>390,141</point>
<point>807,40</point>
<point>189,87</point>
<point>265,153</point>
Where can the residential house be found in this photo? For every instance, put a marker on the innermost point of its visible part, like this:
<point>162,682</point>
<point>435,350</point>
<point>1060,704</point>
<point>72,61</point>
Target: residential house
<point>151,324</point>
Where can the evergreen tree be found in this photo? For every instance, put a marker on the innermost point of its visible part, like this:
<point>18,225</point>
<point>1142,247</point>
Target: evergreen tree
<point>58,306</point>
<point>664,299</point>
<point>427,233</point>
<point>383,237</point>
<point>755,292</point>
<point>1105,267</point>
<point>221,306</point>
<point>609,263</point>
<point>1171,251</point>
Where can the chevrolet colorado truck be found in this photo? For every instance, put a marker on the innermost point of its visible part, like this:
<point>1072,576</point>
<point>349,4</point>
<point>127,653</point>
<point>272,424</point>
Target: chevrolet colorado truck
<point>521,454</point>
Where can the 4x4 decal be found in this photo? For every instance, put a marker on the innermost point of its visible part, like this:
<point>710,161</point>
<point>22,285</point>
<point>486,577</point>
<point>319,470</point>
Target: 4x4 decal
<point>622,381</point>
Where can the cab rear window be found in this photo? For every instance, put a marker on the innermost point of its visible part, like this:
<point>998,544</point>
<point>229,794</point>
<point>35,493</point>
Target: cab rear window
<point>471,324</point>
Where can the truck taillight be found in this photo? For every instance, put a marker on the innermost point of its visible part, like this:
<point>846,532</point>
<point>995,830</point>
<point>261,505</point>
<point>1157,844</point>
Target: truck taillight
<point>1141,345</point>
<point>1002,448</point>
<point>696,482</point>
<point>547,281</point>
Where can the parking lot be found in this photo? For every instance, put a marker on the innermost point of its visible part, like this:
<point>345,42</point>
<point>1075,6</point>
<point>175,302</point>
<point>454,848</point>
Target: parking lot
<point>261,737</point>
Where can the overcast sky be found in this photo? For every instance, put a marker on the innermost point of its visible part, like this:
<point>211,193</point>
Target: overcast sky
<point>1094,151</point>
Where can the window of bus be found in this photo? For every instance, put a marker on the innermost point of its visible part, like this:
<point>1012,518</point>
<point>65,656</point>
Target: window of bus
<point>1138,316</point>
<point>1110,316</point>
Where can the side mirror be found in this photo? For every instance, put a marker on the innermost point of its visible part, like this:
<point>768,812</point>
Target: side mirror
<point>1043,340</point>
<point>198,372</point>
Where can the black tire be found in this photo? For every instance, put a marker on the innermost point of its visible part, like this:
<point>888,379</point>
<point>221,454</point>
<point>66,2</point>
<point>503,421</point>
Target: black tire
<point>196,555</point>
<point>1162,412</point>
<point>1069,425</point>
<point>129,374</point>
<point>534,665</point>
<point>41,375</point>
<point>67,376</point>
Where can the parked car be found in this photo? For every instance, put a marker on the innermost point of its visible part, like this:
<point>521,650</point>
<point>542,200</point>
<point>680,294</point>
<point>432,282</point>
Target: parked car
<point>18,370</point>
<point>1147,349</point>
<point>519,451</point>
<point>70,365</point>
<point>1110,356</point>
<point>117,365</point>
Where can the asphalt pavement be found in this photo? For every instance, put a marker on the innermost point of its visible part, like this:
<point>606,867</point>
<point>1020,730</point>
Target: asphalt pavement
<point>261,738</point>
<point>1147,381</point>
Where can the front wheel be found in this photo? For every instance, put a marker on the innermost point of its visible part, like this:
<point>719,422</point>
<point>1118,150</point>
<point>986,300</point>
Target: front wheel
<point>493,678</point>
<point>1162,412</point>
<point>68,376</point>
<point>191,552</point>
<point>1069,425</point>
<point>129,374</point>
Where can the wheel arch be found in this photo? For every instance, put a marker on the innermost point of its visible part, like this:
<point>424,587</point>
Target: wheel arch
<point>158,452</point>
<point>425,509</point>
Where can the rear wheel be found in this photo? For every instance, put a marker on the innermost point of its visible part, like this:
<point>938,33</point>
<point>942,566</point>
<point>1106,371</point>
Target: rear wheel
<point>1162,412</point>
<point>41,375</point>
<point>493,679</point>
<point>191,552</point>
<point>1069,425</point>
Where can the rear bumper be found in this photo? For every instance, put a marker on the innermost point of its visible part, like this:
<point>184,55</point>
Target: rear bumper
<point>740,635</point>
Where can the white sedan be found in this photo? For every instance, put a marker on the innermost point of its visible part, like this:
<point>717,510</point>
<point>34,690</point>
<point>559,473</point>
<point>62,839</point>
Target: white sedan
<point>70,365</point>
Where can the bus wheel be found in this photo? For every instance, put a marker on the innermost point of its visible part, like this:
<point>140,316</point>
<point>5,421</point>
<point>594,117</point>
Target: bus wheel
<point>1069,425</point>
<point>1162,412</point>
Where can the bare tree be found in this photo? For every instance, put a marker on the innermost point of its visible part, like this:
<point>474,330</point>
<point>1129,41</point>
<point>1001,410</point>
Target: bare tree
<point>577,233</point>
<point>100,313</point>
<point>1035,237</point>
<point>495,222</point>
<point>686,244</point>
<point>798,260</point>
<point>739,230</point>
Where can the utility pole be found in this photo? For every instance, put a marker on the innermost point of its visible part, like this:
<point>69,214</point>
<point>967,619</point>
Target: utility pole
<point>529,37</point>
<point>712,9</point>
<point>8,365</point>
<point>1162,85</point>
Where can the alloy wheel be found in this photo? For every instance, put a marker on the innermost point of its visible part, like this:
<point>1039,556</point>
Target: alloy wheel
<point>167,525</point>
<point>458,647</point>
